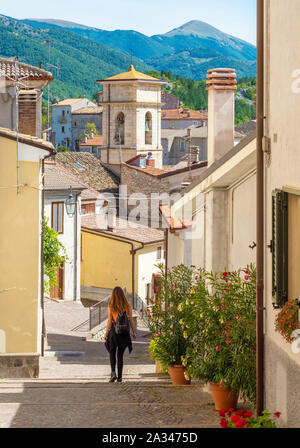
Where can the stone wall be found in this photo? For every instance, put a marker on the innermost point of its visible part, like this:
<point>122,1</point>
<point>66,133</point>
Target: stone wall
<point>138,182</point>
<point>282,384</point>
<point>19,366</point>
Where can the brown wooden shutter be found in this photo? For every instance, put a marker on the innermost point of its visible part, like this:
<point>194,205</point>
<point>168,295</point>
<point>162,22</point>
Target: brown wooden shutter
<point>280,247</point>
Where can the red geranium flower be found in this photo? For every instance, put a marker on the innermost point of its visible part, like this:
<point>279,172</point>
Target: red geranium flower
<point>222,413</point>
<point>277,414</point>
<point>230,411</point>
<point>224,423</point>
<point>235,418</point>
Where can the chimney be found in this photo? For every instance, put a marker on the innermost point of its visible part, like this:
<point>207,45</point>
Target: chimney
<point>28,120</point>
<point>194,154</point>
<point>150,161</point>
<point>221,84</point>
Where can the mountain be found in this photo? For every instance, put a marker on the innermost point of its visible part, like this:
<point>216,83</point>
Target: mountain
<point>82,61</point>
<point>143,46</point>
<point>197,34</point>
<point>195,62</point>
<point>189,50</point>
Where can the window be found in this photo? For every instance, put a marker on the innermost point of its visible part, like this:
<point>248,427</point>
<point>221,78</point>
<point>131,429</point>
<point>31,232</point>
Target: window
<point>148,129</point>
<point>57,217</point>
<point>172,124</point>
<point>195,123</point>
<point>182,146</point>
<point>63,113</point>
<point>159,253</point>
<point>63,129</point>
<point>120,129</point>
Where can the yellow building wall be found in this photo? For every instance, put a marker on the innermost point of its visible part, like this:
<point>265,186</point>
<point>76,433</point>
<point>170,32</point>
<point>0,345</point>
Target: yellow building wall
<point>19,253</point>
<point>106,263</point>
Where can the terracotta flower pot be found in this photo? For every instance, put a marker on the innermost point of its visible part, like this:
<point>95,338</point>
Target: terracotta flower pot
<point>224,398</point>
<point>177,376</point>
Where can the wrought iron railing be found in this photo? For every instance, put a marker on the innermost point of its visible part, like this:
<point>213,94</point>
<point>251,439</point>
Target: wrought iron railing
<point>98,313</point>
<point>141,308</point>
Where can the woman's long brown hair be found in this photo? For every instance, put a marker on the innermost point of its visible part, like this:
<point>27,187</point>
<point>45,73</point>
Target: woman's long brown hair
<point>118,303</point>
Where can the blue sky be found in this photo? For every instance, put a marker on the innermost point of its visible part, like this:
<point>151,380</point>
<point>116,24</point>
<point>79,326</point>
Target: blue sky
<point>236,17</point>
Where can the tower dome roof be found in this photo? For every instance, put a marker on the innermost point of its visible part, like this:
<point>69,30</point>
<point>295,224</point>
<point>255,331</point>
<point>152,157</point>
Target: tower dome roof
<point>132,75</point>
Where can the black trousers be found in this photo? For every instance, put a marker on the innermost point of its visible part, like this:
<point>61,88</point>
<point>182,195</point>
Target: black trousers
<point>117,353</point>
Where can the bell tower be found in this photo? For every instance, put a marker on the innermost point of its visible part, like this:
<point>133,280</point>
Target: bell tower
<point>131,122</point>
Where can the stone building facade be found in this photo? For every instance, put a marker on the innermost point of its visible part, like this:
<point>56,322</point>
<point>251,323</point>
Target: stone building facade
<point>131,118</point>
<point>34,79</point>
<point>80,118</point>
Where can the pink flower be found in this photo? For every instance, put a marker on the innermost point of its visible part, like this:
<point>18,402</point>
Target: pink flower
<point>227,342</point>
<point>172,286</point>
<point>218,348</point>
<point>246,277</point>
<point>158,335</point>
<point>197,277</point>
<point>169,307</point>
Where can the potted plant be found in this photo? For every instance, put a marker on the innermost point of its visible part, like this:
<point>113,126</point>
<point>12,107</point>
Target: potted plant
<point>169,341</point>
<point>219,320</point>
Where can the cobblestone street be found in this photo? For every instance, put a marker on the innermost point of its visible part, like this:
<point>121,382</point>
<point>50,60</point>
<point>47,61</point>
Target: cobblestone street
<point>73,389</point>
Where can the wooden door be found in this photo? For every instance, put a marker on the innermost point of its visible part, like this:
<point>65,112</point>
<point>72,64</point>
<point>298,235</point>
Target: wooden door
<point>57,292</point>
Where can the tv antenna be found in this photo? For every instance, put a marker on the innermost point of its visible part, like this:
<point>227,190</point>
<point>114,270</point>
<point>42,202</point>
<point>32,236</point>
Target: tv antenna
<point>57,68</point>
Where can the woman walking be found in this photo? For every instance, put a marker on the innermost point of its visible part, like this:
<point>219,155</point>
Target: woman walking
<point>116,340</point>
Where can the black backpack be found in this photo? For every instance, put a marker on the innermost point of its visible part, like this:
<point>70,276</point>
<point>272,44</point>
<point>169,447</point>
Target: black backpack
<point>122,324</point>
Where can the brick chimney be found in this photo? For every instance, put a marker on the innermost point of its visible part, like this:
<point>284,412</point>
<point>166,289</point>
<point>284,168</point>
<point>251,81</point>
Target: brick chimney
<point>28,112</point>
<point>221,84</point>
<point>150,161</point>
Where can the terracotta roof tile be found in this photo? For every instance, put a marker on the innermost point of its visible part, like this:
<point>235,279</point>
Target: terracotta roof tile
<point>57,180</point>
<point>173,223</point>
<point>96,141</point>
<point>183,114</point>
<point>123,229</point>
<point>7,69</point>
<point>88,170</point>
<point>28,139</point>
<point>68,102</point>
<point>88,110</point>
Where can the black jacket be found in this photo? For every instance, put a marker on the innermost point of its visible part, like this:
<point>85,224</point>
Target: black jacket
<point>115,340</point>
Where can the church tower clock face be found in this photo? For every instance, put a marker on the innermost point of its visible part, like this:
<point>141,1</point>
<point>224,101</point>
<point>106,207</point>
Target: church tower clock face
<point>131,117</point>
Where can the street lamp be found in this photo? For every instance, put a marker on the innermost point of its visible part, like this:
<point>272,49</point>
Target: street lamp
<point>71,204</point>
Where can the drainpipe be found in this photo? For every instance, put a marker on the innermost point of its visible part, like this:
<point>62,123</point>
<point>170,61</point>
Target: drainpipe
<point>42,257</point>
<point>76,248</point>
<point>260,212</point>
<point>166,253</point>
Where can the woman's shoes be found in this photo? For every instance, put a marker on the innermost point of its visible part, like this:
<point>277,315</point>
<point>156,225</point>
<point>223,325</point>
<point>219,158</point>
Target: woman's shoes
<point>119,380</point>
<point>113,377</point>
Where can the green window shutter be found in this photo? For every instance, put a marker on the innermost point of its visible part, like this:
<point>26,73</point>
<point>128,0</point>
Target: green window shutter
<point>280,247</point>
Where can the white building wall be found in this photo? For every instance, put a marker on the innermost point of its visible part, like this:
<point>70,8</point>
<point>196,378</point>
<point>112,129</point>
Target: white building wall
<point>147,261</point>
<point>242,224</point>
<point>68,241</point>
